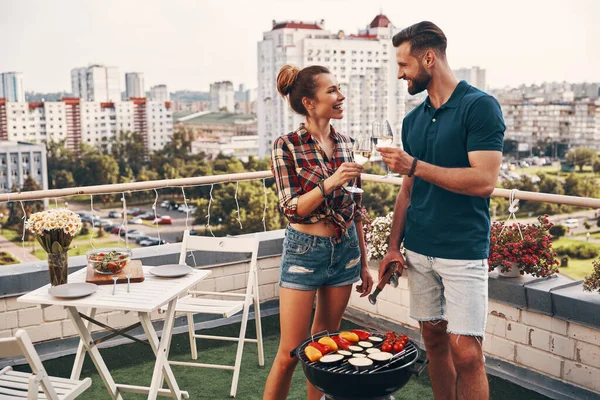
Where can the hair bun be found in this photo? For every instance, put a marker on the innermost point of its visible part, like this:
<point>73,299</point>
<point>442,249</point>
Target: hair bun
<point>288,74</point>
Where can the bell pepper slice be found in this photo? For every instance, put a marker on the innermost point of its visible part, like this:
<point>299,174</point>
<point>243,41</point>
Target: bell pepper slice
<point>321,347</point>
<point>362,335</point>
<point>312,353</point>
<point>341,342</point>
<point>327,341</point>
<point>349,336</point>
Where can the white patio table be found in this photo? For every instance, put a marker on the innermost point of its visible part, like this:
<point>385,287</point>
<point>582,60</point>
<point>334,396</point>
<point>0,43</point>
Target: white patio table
<point>143,298</point>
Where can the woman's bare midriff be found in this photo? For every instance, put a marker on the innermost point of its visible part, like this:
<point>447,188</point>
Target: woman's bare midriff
<point>320,228</point>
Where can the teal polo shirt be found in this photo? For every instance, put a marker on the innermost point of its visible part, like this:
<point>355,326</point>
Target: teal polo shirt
<point>440,223</point>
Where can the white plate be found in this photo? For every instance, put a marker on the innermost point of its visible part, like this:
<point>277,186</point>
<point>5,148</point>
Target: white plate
<point>171,270</point>
<point>73,290</point>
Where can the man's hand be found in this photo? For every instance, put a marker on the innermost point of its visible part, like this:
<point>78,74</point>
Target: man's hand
<point>390,257</point>
<point>367,282</point>
<point>396,159</point>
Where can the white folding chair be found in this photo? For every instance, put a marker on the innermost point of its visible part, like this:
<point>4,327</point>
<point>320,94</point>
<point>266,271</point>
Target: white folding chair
<point>192,304</point>
<point>22,385</point>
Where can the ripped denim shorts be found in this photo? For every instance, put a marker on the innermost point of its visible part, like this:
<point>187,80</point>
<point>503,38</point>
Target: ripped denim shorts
<point>309,262</point>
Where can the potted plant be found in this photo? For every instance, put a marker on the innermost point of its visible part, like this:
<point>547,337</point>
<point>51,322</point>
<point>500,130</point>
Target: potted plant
<point>55,229</point>
<point>520,249</point>
<point>377,232</point>
<point>592,281</point>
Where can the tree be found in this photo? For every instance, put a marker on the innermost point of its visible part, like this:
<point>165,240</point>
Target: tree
<point>582,156</point>
<point>30,207</point>
<point>63,179</point>
<point>579,186</point>
<point>94,168</point>
<point>59,158</point>
<point>129,151</point>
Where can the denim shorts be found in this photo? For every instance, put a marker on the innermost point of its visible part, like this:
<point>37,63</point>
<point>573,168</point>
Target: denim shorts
<point>451,290</point>
<point>310,262</point>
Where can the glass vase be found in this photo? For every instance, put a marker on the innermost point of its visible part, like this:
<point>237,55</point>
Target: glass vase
<point>58,266</point>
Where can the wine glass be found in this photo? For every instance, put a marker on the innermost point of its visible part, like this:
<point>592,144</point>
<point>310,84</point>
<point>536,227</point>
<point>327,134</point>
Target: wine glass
<point>362,149</point>
<point>383,136</point>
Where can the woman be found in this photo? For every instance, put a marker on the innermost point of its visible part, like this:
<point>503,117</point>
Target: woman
<point>323,251</point>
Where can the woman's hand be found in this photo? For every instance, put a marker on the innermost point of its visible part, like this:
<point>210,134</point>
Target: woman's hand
<point>344,174</point>
<point>367,282</point>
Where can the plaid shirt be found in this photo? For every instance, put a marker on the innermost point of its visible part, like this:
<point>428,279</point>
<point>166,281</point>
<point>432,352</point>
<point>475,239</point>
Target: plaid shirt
<point>298,164</point>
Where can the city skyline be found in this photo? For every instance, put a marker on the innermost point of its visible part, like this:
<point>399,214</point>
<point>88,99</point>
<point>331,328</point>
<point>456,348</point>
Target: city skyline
<point>545,41</point>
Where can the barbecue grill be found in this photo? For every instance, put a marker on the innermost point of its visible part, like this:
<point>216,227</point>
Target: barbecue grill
<point>344,382</point>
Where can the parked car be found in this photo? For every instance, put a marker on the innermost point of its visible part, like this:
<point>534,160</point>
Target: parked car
<point>165,204</point>
<point>164,220</point>
<point>132,211</point>
<point>152,241</point>
<point>141,238</point>
<point>105,222</point>
<point>116,228</point>
<point>132,234</point>
<point>147,216</point>
<point>136,221</point>
<point>571,223</point>
<point>114,214</point>
<point>108,228</point>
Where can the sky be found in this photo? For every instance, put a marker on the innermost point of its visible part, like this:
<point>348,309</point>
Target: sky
<point>187,44</point>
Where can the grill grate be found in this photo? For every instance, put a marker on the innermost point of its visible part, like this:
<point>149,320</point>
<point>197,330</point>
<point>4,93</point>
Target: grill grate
<point>345,368</point>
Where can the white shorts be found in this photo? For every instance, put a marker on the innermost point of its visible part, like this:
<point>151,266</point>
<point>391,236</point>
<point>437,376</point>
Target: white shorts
<point>451,290</point>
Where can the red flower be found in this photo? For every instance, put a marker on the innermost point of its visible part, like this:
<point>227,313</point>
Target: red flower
<point>527,246</point>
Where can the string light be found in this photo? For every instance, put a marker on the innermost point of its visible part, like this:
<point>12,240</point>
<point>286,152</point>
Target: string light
<point>208,211</point>
<point>155,221</point>
<point>124,223</point>
<point>24,218</point>
<point>93,221</point>
<point>237,205</point>
<point>264,218</point>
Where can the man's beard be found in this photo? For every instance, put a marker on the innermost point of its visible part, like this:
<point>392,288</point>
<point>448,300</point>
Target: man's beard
<point>419,82</point>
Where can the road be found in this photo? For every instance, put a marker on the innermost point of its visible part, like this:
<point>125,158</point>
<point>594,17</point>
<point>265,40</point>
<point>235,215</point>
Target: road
<point>170,233</point>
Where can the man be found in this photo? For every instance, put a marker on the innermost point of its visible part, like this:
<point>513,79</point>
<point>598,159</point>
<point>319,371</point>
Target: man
<point>450,162</point>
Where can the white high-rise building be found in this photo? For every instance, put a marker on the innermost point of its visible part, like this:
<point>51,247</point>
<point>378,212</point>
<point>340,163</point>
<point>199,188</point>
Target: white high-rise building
<point>474,76</point>
<point>159,93</point>
<point>363,63</point>
<point>134,85</point>
<point>222,96</point>
<point>20,160</point>
<point>95,123</point>
<point>96,83</point>
<point>11,86</point>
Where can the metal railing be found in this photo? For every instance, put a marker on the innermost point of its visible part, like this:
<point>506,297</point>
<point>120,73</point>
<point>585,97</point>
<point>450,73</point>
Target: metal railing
<point>249,176</point>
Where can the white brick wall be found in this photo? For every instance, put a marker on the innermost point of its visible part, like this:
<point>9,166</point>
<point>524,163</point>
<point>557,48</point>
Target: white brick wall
<point>503,311</point>
<point>9,320</point>
<point>585,334</point>
<point>557,348</point>
<point>29,317</point>
<point>562,346</point>
<point>583,375</point>
<point>588,354</point>
<point>516,332</point>
<point>539,338</point>
<point>499,348</point>
<point>54,313</point>
<point>539,360</point>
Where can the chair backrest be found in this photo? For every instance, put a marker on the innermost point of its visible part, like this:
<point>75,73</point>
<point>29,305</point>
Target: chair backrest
<point>246,244</point>
<point>21,345</point>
